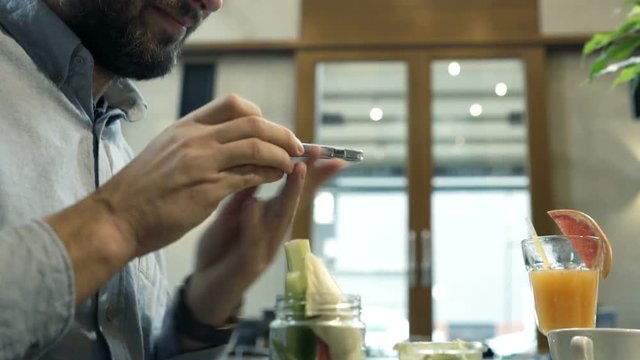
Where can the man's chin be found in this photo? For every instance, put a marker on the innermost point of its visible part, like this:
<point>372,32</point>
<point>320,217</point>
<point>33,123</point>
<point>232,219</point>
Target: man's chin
<point>139,66</point>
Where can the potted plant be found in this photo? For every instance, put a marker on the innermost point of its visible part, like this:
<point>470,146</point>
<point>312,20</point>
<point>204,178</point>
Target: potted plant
<point>617,49</point>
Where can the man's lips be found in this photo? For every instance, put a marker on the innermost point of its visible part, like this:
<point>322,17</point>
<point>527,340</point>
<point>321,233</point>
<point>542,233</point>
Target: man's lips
<point>183,21</point>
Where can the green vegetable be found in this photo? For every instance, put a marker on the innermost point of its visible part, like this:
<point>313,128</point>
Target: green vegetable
<point>308,278</point>
<point>296,252</point>
<point>295,283</point>
<point>282,352</point>
<point>300,341</point>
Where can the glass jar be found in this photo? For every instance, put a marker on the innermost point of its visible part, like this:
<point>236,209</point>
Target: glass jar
<point>451,350</point>
<point>305,331</point>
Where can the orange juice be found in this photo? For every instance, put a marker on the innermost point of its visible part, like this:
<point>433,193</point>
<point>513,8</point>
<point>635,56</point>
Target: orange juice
<point>565,298</point>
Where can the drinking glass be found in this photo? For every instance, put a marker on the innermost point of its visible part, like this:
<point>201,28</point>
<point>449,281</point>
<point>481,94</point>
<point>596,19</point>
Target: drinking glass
<point>565,280</point>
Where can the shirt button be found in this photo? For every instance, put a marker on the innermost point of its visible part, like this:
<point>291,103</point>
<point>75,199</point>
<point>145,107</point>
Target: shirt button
<point>79,60</point>
<point>110,313</point>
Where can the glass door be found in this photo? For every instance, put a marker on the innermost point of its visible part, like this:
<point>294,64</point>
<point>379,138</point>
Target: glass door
<point>360,219</point>
<point>426,228</point>
<point>480,198</point>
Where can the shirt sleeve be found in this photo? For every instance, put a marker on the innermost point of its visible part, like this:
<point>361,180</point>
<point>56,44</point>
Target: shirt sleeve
<point>168,347</point>
<point>37,300</point>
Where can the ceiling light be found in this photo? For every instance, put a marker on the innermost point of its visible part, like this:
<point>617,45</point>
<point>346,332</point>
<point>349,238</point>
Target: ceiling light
<point>501,89</point>
<point>376,114</point>
<point>475,110</point>
<point>454,68</point>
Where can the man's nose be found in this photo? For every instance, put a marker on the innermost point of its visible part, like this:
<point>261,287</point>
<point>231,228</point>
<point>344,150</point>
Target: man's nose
<point>208,5</point>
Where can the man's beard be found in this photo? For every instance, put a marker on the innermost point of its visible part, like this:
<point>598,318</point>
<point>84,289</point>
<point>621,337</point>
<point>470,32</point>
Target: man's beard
<point>116,35</point>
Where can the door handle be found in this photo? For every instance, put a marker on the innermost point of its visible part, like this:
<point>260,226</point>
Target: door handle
<point>413,247</point>
<point>426,263</point>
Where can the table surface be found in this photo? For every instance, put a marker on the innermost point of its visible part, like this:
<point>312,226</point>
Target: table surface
<point>517,357</point>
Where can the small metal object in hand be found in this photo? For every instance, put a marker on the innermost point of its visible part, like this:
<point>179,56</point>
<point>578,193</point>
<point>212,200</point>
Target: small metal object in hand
<point>330,152</point>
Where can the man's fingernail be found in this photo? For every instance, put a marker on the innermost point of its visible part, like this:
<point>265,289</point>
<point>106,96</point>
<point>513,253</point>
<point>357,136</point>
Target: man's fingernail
<point>300,147</point>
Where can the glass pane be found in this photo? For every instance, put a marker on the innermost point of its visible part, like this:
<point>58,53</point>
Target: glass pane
<point>480,199</point>
<point>360,222</point>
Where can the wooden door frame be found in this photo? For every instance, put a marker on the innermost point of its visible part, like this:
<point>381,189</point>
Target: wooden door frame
<point>534,58</point>
<point>419,163</point>
<point>419,315</point>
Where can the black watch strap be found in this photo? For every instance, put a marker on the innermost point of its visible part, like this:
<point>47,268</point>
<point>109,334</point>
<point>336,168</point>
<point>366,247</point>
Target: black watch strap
<point>191,328</point>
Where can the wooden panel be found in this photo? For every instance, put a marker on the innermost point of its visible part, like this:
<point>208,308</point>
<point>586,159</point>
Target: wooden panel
<point>304,128</point>
<point>421,313</point>
<point>540,173</point>
<point>206,51</point>
<point>260,47</point>
<point>419,180</point>
<point>361,22</point>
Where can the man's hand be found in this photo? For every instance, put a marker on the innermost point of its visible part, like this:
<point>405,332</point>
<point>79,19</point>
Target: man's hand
<point>173,185</point>
<point>238,246</point>
<point>244,239</point>
<point>318,173</point>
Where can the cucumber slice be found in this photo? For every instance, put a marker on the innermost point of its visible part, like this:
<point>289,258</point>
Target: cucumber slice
<point>296,251</point>
<point>294,283</point>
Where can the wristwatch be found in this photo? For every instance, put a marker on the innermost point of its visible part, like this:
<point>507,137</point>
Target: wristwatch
<point>186,325</point>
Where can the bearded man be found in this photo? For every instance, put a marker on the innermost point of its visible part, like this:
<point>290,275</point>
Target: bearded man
<point>82,221</point>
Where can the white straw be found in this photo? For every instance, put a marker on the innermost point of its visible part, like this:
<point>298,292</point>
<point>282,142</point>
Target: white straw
<point>538,245</point>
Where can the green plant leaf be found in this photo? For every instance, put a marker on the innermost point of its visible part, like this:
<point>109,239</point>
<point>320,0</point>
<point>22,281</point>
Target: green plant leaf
<point>596,42</point>
<point>627,74</point>
<point>629,28</point>
<point>598,65</point>
<point>618,51</point>
<point>635,11</point>
<point>623,49</point>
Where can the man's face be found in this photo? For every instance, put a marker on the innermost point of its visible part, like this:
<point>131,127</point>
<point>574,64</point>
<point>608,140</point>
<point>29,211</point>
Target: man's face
<point>138,39</point>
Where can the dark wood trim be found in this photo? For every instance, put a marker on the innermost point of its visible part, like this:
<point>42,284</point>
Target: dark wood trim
<point>419,173</point>
<point>539,158</point>
<point>304,128</point>
<point>291,47</point>
<point>333,22</point>
<point>540,172</point>
<point>241,46</point>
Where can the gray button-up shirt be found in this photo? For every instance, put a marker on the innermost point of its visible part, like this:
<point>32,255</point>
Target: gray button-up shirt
<point>56,147</point>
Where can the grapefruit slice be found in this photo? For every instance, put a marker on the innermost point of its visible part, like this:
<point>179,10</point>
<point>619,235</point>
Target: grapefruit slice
<point>322,350</point>
<point>574,222</point>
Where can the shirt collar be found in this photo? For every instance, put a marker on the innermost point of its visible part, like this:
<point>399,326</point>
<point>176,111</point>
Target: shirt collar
<point>125,96</point>
<point>42,35</point>
<point>52,45</point>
